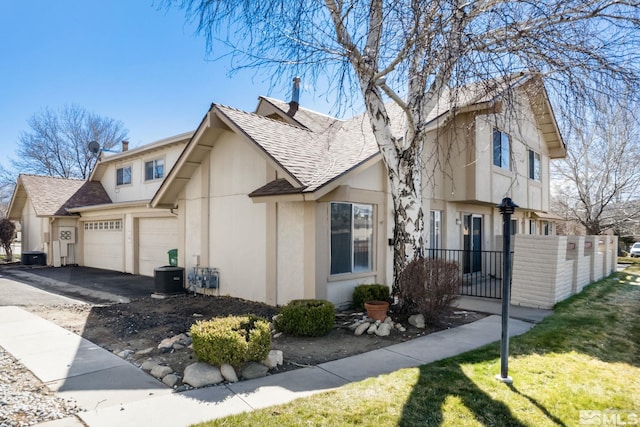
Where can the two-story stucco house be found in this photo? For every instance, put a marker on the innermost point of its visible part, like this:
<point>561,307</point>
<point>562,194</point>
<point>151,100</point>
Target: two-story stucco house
<point>288,203</point>
<point>293,204</point>
<point>104,222</point>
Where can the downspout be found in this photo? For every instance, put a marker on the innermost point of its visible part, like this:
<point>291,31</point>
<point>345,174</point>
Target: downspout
<point>49,252</point>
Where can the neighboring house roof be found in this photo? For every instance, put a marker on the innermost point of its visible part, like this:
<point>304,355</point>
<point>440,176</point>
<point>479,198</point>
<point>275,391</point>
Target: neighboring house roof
<point>51,196</point>
<point>107,158</point>
<point>312,151</point>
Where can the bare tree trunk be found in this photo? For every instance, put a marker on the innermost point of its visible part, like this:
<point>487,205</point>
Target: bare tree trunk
<point>403,160</point>
<point>408,218</point>
<point>8,253</point>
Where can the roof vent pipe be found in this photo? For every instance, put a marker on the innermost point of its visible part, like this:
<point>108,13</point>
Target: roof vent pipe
<point>295,98</point>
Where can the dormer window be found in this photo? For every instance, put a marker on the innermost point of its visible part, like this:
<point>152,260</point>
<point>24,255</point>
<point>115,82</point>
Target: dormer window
<point>123,175</point>
<point>154,169</point>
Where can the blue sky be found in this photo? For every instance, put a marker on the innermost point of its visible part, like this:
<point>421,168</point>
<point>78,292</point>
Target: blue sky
<point>123,59</point>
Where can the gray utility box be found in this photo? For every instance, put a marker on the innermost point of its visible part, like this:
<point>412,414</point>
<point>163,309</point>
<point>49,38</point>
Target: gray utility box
<point>169,280</point>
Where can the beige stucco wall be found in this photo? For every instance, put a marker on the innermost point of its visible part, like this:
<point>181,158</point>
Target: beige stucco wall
<point>33,229</point>
<point>465,181</point>
<point>223,228</point>
<point>291,247</point>
<point>368,187</point>
<point>139,189</point>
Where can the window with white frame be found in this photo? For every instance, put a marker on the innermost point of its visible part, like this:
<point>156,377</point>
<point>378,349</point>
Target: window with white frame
<point>351,238</point>
<point>154,169</point>
<point>546,228</point>
<point>501,149</point>
<point>123,175</point>
<point>534,165</point>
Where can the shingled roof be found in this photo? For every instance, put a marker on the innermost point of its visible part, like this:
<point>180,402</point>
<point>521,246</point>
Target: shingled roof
<point>313,150</point>
<point>312,158</point>
<point>52,196</point>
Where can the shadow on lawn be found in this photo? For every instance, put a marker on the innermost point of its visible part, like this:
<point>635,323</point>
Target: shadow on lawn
<point>441,381</point>
<point>603,322</point>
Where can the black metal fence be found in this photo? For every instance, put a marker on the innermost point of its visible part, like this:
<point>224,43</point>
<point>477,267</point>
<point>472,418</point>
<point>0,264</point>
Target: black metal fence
<point>480,271</point>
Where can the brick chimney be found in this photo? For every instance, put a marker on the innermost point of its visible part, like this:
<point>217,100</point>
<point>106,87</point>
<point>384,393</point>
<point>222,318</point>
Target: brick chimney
<point>125,146</point>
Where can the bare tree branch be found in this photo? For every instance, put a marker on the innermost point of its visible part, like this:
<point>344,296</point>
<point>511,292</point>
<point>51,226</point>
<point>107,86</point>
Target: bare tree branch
<point>56,143</point>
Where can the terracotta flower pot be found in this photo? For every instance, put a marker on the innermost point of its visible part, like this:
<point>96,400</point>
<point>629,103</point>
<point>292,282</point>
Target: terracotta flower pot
<point>377,310</point>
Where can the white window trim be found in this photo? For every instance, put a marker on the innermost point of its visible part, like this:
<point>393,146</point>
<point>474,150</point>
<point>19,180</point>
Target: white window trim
<point>355,274</point>
<point>130,175</point>
<point>155,159</point>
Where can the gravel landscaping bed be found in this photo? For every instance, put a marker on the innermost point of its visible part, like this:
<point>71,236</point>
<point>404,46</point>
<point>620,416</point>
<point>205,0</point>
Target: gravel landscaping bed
<point>24,399</point>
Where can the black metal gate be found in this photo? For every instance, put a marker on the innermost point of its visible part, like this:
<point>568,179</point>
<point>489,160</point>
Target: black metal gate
<point>484,280</point>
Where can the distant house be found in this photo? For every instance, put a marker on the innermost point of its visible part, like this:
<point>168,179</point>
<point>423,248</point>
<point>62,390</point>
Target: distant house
<point>289,203</point>
<point>104,222</point>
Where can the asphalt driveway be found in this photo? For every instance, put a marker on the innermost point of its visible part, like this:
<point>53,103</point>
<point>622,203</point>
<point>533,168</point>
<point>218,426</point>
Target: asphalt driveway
<point>82,283</point>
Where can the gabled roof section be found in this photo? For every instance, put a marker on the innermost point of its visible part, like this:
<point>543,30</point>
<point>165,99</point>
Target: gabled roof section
<point>312,120</point>
<point>308,154</point>
<point>107,158</point>
<point>51,196</point>
<point>313,159</point>
<point>312,151</point>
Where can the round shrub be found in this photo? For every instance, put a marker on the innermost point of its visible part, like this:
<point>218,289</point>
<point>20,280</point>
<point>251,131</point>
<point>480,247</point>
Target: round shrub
<point>305,317</point>
<point>233,340</point>
<point>364,293</point>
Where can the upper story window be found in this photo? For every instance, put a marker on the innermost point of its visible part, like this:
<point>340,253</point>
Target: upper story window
<point>154,169</point>
<point>534,165</point>
<point>351,238</point>
<point>123,175</point>
<point>501,149</point>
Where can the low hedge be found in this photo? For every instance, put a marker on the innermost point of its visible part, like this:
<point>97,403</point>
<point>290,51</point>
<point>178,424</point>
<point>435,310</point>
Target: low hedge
<point>370,292</point>
<point>233,340</point>
<point>305,317</point>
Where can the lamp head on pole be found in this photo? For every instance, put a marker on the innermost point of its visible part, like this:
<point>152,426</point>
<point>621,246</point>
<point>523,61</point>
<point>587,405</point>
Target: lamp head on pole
<point>507,206</point>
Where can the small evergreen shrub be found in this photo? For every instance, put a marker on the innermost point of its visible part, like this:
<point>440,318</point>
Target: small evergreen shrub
<point>364,293</point>
<point>233,340</point>
<point>305,317</point>
<point>429,286</point>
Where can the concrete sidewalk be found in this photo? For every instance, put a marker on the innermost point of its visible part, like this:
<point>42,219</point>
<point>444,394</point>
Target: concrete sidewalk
<point>111,391</point>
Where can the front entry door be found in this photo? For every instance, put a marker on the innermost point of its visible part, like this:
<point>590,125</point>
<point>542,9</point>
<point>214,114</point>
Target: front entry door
<point>472,258</point>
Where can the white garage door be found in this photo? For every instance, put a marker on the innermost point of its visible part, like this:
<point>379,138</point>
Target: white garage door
<point>103,247</point>
<point>156,236</point>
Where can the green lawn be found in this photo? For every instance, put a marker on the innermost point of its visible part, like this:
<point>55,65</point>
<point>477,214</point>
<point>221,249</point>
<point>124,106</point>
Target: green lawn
<point>586,356</point>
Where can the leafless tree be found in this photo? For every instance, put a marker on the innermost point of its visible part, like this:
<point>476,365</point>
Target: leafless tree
<point>598,183</point>
<point>412,51</point>
<point>56,143</point>
<point>7,183</point>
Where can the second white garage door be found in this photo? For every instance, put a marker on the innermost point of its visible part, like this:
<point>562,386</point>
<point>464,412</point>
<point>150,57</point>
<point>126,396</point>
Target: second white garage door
<point>156,236</point>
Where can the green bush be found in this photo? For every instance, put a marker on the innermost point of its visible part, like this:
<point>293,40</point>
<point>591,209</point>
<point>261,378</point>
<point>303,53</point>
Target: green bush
<point>305,317</point>
<point>364,293</point>
<point>233,340</point>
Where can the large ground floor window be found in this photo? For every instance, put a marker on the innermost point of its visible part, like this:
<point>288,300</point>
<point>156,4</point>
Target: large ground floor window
<point>351,238</point>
